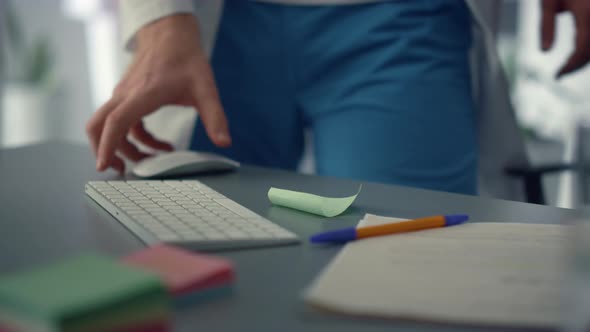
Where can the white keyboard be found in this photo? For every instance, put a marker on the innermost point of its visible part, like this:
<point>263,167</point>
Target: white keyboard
<point>185,213</point>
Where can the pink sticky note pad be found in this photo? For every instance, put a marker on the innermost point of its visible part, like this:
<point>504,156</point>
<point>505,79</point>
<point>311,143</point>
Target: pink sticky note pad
<point>183,271</point>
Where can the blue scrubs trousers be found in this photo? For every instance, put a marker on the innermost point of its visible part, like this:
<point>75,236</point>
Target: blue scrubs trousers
<point>385,88</point>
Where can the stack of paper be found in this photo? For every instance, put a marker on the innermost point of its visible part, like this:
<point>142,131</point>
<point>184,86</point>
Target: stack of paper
<point>189,277</point>
<point>84,294</point>
<point>477,273</point>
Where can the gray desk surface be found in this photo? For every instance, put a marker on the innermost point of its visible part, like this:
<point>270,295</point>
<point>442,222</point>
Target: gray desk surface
<point>45,216</point>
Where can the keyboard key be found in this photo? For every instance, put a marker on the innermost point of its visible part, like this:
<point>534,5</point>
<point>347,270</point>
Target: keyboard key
<point>236,208</point>
<point>138,214</point>
<point>191,219</point>
<point>157,229</point>
<point>181,228</point>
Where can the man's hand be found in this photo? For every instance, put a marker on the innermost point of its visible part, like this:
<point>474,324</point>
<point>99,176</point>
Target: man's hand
<point>169,68</point>
<point>580,9</point>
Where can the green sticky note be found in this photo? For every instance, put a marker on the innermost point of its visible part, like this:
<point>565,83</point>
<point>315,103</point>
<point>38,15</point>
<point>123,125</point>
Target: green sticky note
<point>80,288</point>
<point>320,205</point>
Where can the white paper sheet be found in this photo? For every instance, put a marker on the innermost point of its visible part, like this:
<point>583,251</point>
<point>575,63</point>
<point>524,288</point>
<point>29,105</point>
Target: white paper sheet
<point>482,273</point>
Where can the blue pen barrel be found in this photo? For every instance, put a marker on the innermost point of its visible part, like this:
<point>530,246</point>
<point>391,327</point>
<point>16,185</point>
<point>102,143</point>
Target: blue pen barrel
<point>341,235</point>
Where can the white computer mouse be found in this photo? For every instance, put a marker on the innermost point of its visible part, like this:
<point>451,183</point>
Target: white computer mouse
<point>179,163</point>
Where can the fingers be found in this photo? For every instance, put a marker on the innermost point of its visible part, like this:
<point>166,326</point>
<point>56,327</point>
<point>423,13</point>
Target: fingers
<point>131,151</point>
<point>550,8</point>
<point>118,165</point>
<point>96,122</point>
<point>116,125</point>
<point>210,110</point>
<point>581,54</point>
<point>96,130</point>
<point>142,135</point>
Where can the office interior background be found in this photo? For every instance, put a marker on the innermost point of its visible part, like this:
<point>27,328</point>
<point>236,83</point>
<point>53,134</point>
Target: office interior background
<point>61,59</point>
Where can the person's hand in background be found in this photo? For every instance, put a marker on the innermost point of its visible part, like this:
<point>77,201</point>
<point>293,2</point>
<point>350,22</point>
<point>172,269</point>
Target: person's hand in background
<point>580,10</point>
<point>169,68</point>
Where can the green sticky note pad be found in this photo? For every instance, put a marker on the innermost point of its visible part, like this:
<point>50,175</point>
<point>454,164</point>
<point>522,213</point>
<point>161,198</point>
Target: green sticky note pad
<point>320,205</point>
<point>80,288</point>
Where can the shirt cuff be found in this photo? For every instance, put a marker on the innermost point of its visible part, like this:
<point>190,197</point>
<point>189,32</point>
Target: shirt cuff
<point>136,14</point>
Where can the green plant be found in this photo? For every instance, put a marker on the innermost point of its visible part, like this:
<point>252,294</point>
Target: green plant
<point>29,63</point>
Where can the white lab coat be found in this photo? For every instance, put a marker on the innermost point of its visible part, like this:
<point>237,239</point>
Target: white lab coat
<point>500,140</point>
<point>2,60</point>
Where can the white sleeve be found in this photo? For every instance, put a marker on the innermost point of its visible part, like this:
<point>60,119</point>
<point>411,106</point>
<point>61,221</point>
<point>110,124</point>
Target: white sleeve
<point>136,14</point>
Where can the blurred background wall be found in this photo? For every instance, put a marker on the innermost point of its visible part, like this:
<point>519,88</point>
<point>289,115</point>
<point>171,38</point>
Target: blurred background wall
<point>64,98</point>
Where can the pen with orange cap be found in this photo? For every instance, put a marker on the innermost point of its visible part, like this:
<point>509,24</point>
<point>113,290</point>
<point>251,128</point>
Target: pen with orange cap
<point>352,233</point>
